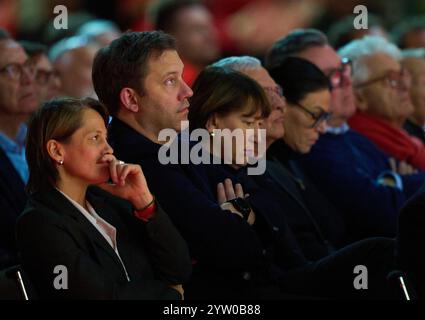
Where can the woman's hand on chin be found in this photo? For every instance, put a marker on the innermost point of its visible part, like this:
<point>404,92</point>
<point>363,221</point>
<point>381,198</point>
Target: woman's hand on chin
<point>128,182</point>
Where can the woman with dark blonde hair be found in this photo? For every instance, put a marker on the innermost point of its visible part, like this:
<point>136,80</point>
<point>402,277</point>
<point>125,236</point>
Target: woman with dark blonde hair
<point>110,240</point>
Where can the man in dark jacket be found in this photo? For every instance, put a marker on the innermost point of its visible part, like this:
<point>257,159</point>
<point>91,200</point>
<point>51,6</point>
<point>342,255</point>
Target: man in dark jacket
<point>17,101</point>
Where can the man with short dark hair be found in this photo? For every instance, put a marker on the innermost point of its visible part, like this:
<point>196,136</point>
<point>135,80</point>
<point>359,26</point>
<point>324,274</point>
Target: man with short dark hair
<point>192,25</point>
<point>17,101</point>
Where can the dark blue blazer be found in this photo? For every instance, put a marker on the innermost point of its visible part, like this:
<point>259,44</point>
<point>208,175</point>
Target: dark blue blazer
<point>12,202</point>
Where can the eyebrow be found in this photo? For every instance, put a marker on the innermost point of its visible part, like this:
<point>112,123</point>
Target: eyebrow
<point>170,73</point>
<point>97,131</point>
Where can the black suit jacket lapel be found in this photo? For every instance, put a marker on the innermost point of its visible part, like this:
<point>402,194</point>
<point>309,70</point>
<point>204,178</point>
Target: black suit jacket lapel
<point>63,205</point>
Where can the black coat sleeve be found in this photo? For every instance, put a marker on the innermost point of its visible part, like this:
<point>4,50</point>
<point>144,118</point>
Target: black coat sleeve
<point>167,249</point>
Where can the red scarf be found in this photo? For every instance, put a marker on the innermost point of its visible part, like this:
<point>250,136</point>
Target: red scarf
<point>395,142</point>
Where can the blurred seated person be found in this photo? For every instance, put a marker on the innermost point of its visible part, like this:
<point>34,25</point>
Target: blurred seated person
<point>410,33</point>
<point>316,223</point>
<point>73,59</point>
<point>47,81</point>
<point>226,102</point>
<point>361,180</point>
<point>100,31</point>
<point>18,99</point>
<point>343,31</point>
<point>381,87</point>
<point>190,22</point>
<point>113,239</point>
<point>415,65</point>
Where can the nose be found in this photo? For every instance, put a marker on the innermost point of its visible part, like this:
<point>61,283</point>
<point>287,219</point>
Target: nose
<point>282,106</point>
<point>108,148</point>
<point>185,92</point>
<point>27,76</point>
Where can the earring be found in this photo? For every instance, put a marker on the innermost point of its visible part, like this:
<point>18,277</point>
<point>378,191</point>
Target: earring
<point>60,162</point>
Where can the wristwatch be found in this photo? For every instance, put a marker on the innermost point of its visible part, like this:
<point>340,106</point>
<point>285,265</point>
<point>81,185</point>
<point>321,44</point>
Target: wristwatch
<point>242,205</point>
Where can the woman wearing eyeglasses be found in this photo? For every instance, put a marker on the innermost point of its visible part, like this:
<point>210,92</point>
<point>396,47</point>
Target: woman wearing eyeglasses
<point>81,237</point>
<point>307,93</point>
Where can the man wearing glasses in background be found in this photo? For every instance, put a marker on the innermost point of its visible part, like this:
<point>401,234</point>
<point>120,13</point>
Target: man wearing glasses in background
<point>47,81</point>
<point>364,183</point>
<point>17,101</point>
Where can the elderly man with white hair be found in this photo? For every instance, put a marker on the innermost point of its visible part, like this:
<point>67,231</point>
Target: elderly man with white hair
<point>381,87</point>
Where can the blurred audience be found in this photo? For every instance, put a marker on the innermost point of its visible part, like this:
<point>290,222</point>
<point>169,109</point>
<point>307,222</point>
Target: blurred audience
<point>343,31</point>
<point>191,23</point>
<point>410,33</point>
<point>47,81</point>
<point>73,59</point>
<point>18,99</point>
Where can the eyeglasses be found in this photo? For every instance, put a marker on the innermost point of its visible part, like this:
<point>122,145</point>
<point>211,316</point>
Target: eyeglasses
<point>43,76</point>
<point>338,77</point>
<point>317,117</point>
<point>395,79</point>
<point>15,71</point>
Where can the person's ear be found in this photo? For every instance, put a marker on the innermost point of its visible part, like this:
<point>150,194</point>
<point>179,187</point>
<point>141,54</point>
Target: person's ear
<point>130,99</point>
<point>360,100</point>
<point>55,151</point>
<point>212,123</point>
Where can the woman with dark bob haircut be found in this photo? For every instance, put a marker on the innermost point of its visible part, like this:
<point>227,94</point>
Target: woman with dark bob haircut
<point>81,237</point>
<point>226,99</point>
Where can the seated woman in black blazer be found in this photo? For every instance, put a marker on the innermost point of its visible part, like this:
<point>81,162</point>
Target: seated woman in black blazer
<point>110,241</point>
<point>226,99</point>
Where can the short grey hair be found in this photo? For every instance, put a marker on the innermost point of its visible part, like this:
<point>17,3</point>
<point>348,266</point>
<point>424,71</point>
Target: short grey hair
<point>368,45</point>
<point>238,63</point>
<point>413,53</point>
<point>293,44</point>
<point>68,44</point>
<point>94,28</point>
